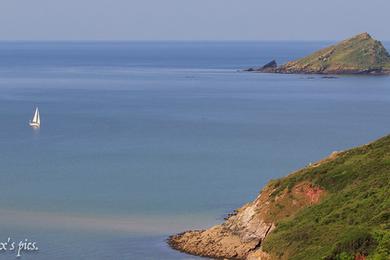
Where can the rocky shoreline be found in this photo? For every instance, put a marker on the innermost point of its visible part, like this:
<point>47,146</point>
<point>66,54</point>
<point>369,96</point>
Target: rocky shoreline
<point>242,234</point>
<point>359,55</point>
<point>337,208</point>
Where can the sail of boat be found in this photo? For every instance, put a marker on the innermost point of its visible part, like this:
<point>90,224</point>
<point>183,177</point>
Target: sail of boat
<point>36,120</point>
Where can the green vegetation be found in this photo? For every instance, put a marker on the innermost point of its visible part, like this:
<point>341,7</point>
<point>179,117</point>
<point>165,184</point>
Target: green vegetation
<point>360,54</point>
<point>353,219</point>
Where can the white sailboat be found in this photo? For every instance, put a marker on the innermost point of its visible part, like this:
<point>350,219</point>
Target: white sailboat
<point>36,120</point>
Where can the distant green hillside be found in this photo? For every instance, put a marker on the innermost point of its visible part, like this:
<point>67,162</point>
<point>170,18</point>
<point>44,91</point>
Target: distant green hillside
<point>352,221</point>
<point>358,55</point>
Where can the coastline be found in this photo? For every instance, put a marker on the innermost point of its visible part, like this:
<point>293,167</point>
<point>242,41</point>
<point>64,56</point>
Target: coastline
<point>242,234</point>
<point>291,215</point>
<point>359,55</point>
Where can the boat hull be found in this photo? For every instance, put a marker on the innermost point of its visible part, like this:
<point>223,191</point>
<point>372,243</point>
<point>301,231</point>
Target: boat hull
<point>34,125</point>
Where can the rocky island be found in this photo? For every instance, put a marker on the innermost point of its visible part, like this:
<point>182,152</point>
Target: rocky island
<point>358,55</point>
<point>337,208</point>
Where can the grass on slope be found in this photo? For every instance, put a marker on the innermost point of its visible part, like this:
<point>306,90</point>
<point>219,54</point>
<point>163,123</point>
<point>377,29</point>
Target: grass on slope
<point>354,219</point>
<point>360,52</point>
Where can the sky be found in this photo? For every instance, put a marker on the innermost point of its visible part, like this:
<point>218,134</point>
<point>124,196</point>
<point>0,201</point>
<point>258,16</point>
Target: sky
<point>192,20</point>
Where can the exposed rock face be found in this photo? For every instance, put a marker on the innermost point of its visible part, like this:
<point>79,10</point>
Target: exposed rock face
<point>336,208</point>
<point>240,237</point>
<point>269,67</point>
<point>358,55</point>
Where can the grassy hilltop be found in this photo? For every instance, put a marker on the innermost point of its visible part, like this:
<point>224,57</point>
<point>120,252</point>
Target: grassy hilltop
<point>337,208</point>
<point>358,55</point>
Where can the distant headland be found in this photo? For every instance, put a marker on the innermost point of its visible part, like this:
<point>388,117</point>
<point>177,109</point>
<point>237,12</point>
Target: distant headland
<point>360,54</point>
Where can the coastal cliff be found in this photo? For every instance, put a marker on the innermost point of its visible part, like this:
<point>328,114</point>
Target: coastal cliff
<point>337,208</point>
<point>358,55</point>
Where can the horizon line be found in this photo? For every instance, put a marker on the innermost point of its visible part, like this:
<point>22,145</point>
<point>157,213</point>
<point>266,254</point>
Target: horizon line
<point>164,41</point>
<point>161,41</point>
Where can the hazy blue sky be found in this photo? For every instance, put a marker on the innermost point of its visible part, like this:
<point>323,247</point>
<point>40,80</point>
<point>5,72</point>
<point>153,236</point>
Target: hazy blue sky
<point>192,19</point>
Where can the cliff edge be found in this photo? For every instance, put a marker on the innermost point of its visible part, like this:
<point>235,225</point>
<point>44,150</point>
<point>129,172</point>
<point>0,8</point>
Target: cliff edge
<point>337,208</point>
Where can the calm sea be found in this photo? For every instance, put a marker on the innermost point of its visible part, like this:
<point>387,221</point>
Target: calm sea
<point>143,140</point>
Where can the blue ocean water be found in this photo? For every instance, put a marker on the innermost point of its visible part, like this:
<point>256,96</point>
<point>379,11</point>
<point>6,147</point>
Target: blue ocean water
<point>142,140</point>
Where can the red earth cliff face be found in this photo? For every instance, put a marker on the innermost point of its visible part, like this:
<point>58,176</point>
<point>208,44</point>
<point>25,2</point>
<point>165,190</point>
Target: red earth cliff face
<point>241,236</point>
<point>314,194</point>
<point>360,257</point>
